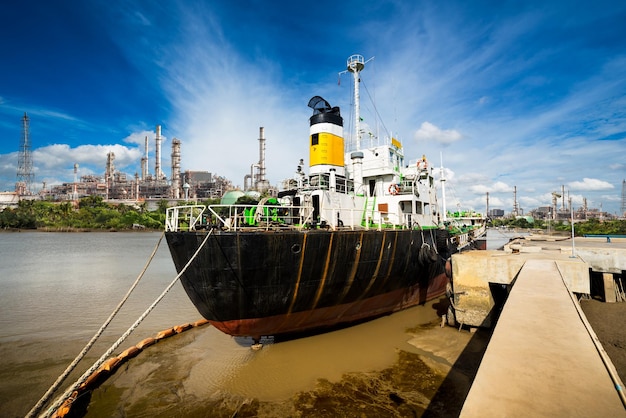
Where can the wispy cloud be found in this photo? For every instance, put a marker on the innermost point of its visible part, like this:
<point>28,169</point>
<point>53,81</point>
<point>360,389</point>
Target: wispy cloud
<point>56,156</point>
<point>590,184</point>
<point>430,132</point>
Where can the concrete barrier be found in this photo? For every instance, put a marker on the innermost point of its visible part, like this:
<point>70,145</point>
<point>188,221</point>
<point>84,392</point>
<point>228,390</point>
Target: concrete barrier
<point>473,272</point>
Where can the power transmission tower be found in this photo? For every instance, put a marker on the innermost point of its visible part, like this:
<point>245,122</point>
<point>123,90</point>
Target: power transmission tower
<point>25,175</point>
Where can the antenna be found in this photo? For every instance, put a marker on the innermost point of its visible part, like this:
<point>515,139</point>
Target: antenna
<point>443,190</point>
<point>355,65</point>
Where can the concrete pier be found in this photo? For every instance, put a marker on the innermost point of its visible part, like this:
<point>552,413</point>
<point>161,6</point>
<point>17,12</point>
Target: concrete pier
<point>541,360</point>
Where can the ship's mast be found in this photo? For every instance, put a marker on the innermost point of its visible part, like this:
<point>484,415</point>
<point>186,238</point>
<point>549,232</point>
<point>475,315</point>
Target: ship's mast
<point>355,64</point>
<point>443,191</point>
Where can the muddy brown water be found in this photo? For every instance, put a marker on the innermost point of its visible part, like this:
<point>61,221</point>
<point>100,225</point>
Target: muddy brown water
<point>57,288</point>
<point>393,366</point>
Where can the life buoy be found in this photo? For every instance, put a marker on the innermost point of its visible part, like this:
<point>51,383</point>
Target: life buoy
<point>394,189</point>
<point>422,165</point>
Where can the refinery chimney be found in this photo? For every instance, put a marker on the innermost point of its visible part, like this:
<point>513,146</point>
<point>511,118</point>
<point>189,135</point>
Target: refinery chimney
<point>261,183</point>
<point>158,175</point>
<point>176,168</point>
<point>109,171</point>
<point>261,154</point>
<point>144,161</point>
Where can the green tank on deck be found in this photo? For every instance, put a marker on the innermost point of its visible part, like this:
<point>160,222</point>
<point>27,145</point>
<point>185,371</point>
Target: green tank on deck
<point>230,197</point>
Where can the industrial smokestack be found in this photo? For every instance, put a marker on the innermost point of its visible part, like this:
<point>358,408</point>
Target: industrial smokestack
<point>157,164</point>
<point>110,167</point>
<point>261,184</point>
<point>261,178</point>
<point>176,168</point>
<point>109,171</point>
<point>144,161</point>
<point>75,195</point>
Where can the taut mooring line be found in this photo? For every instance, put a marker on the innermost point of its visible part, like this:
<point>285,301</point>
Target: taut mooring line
<point>103,358</point>
<point>97,335</point>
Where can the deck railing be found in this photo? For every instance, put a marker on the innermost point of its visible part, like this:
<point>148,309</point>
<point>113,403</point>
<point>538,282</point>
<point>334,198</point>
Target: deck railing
<point>275,217</point>
<point>236,217</point>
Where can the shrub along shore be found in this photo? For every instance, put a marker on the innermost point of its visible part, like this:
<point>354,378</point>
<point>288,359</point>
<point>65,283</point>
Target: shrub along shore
<point>92,213</point>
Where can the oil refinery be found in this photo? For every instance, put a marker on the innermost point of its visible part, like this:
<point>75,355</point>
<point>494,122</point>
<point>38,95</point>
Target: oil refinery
<point>115,185</point>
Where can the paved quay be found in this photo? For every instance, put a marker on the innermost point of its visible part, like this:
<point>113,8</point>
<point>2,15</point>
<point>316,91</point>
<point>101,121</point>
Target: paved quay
<point>543,358</point>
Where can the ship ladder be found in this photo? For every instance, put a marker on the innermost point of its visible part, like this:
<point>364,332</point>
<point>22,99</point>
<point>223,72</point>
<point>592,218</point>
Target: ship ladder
<point>368,213</point>
<point>68,393</point>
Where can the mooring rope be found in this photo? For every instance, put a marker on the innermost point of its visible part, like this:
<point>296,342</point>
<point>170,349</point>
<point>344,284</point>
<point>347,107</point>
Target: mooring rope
<point>46,397</point>
<point>102,359</point>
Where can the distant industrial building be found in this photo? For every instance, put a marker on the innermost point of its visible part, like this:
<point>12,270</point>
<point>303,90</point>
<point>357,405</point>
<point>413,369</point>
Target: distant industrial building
<point>204,185</point>
<point>496,213</point>
<point>115,185</point>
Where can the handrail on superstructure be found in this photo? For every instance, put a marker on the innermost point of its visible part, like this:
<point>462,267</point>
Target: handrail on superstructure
<point>192,217</point>
<point>236,217</point>
<point>276,217</point>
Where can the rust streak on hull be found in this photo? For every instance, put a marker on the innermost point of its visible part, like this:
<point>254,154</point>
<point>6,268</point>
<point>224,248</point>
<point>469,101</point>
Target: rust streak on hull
<point>297,285</point>
<point>355,266</point>
<point>334,315</point>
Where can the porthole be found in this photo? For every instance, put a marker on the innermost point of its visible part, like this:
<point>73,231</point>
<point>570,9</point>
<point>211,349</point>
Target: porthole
<point>296,248</point>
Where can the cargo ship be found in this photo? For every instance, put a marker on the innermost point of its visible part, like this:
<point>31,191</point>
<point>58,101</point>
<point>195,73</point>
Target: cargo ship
<point>357,237</point>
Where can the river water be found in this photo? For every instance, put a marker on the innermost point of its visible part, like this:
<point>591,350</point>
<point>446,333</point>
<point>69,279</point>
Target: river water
<point>56,291</point>
<point>58,288</point>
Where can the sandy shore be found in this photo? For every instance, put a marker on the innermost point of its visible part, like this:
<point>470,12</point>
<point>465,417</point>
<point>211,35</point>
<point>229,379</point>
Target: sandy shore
<point>606,319</point>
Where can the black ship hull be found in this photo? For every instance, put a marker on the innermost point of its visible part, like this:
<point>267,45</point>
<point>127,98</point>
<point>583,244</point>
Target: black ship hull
<point>270,283</point>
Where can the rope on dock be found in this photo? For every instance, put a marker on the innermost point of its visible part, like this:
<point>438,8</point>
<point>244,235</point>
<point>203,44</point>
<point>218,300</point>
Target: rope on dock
<point>46,397</point>
<point>617,382</point>
<point>68,393</point>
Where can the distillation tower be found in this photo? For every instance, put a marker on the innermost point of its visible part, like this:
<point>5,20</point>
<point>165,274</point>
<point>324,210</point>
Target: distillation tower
<point>176,186</point>
<point>144,161</point>
<point>158,174</point>
<point>257,180</point>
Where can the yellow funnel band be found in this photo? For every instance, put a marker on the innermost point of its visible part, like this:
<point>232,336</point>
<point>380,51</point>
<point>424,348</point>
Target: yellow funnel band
<point>326,149</point>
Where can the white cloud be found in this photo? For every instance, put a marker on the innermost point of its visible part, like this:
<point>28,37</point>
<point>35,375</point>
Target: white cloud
<point>497,187</point>
<point>139,138</point>
<point>498,203</point>
<point>430,132</point>
<point>590,185</point>
<point>60,155</point>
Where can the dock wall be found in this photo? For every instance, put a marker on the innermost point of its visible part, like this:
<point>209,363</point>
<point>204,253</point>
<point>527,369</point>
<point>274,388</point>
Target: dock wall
<point>477,275</point>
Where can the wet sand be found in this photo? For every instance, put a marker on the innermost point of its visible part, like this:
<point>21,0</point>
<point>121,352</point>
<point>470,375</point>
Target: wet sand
<point>607,321</point>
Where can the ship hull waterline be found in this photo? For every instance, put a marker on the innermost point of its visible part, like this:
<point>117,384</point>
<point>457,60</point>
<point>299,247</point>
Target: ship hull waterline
<point>272,283</point>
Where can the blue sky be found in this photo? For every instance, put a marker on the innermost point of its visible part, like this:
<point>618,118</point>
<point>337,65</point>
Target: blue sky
<point>529,94</point>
